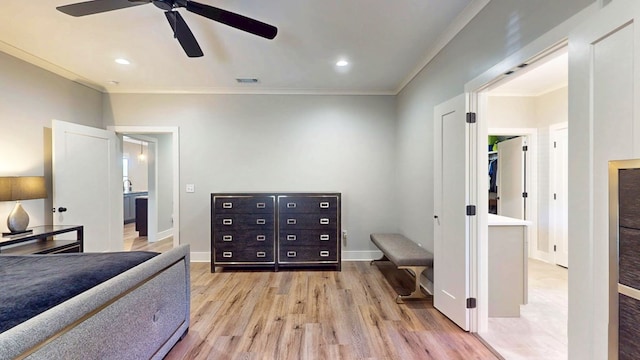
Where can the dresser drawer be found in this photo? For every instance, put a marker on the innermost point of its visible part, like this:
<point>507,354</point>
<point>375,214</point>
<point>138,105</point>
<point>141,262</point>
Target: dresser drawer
<point>301,254</point>
<point>313,237</point>
<point>245,237</point>
<point>307,204</point>
<point>225,222</point>
<point>243,204</point>
<point>308,221</point>
<point>239,254</point>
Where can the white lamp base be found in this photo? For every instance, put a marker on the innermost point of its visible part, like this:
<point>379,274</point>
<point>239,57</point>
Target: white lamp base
<point>18,220</point>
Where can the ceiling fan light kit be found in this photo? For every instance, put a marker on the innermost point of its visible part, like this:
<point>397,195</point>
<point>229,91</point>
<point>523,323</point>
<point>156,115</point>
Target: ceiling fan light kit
<point>179,26</point>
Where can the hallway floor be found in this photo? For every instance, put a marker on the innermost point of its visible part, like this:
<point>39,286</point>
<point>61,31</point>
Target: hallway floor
<point>541,330</point>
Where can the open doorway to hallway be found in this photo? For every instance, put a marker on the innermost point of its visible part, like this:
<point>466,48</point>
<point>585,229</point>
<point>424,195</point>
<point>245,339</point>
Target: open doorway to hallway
<point>529,108</point>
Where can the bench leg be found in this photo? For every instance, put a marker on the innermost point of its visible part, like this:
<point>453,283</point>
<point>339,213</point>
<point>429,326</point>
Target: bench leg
<point>383,258</point>
<point>417,292</point>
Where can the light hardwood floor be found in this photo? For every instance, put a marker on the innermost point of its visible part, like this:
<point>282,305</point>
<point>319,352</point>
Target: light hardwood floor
<point>541,330</point>
<point>349,314</point>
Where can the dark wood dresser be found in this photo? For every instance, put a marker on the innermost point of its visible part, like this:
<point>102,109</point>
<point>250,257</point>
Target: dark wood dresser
<point>274,230</point>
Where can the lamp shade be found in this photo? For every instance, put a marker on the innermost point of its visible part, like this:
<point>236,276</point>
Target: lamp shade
<point>22,188</point>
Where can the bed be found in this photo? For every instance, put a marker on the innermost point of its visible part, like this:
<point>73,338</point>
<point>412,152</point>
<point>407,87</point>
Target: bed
<point>139,313</point>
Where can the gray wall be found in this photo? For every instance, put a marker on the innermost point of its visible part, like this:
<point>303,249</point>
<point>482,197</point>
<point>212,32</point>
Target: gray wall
<point>499,30</point>
<point>250,143</point>
<point>29,99</point>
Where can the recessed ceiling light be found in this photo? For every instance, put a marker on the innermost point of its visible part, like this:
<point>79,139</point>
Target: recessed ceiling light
<point>342,63</point>
<point>122,61</point>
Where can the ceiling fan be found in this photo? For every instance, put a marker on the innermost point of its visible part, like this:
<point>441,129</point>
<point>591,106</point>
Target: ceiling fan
<point>180,28</point>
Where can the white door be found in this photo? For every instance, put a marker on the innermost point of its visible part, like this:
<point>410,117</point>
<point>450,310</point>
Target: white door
<point>604,118</point>
<point>511,175</point>
<point>559,188</point>
<point>451,250</point>
<point>86,164</point>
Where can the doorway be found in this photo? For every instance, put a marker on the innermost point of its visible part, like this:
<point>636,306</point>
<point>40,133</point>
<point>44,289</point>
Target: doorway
<point>163,180</point>
<point>507,110</point>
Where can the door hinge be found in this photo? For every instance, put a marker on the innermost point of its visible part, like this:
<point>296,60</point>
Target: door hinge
<point>555,144</point>
<point>525,194</point>
<point>471,118</point>
<point>555,197</point>
<point>471,303</point>
<point>554,248</point>
<point>471,210</point>
<point>525,148</point>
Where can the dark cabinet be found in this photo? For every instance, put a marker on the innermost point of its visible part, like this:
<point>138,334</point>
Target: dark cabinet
<point>275,230</point>
<point>141,215</point>
<point>129,205</point>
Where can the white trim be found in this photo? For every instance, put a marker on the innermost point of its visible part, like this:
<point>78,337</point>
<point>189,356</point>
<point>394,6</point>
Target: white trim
<point>200,257</point>
<point>365,255</point>
<point>452,30</point>
<point>164,234</point>
<point>551,258</point>
<point>175,131</point>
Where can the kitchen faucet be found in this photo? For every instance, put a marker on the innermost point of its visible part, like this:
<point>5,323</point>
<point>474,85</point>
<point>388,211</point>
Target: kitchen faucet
<point>124,185</point>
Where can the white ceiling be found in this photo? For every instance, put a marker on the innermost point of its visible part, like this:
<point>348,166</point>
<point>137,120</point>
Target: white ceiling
<point>545,75</point>
<point>386,41</point>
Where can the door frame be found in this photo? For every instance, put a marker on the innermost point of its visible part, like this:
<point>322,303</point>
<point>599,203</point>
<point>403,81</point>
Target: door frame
<point>152,181</point>
<point>175,132</point>
<point>477,90</point>
<point>553,210</point>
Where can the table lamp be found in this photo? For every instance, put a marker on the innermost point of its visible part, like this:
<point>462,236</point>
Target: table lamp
<point>18,188</point>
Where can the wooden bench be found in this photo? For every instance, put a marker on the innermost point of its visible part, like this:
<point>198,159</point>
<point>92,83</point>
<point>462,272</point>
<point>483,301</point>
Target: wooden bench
<point>405,254</point>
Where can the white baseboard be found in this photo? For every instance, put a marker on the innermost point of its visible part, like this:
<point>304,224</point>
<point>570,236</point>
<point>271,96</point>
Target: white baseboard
<point>200,256</point>
<point>367,255</point>
<point>164,234</point>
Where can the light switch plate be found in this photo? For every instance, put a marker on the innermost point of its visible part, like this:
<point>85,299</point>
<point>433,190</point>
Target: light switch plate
<point>191,188</point>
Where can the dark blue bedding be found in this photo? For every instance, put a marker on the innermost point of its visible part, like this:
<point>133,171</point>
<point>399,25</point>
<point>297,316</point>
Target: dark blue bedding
<point>31,284</point>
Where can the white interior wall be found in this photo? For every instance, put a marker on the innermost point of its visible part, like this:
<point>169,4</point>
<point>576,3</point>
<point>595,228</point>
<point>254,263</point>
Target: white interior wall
<point>138,174</point>
<point>251,143</point>
<point>30,98</point>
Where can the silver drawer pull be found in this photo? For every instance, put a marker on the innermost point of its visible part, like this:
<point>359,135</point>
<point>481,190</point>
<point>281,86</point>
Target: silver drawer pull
<point>292,237</point>
<point>227,254</point>
<point>227,221</point>
<point>291,254</point>
<point>261,254</point>
<point>291,221</point>
<point>261,205</point>
<point>291,205</point>
<point>261,221</point>
<point>324,253</point>
<point>227,237</point>
<point>324,237</point>
<point>227,205</point>
<point>261,238</point>
<point>324,205</point>
<point>324,221</point>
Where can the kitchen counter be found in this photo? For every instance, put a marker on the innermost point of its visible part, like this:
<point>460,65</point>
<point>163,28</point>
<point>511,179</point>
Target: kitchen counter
<point>498,220</point>
<point>508,262</point>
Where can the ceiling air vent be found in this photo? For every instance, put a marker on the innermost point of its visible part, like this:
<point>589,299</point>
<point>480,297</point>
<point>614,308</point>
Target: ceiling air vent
<point>247,80</point>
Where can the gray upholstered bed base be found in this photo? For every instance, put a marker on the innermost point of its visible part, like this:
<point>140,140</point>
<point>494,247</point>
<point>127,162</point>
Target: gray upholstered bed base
<point>139,314</point>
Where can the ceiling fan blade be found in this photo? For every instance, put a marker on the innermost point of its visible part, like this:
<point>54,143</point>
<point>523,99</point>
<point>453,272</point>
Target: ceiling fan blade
<point>232,19</point>
<point>98,6</point>
<point>184,35</point>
